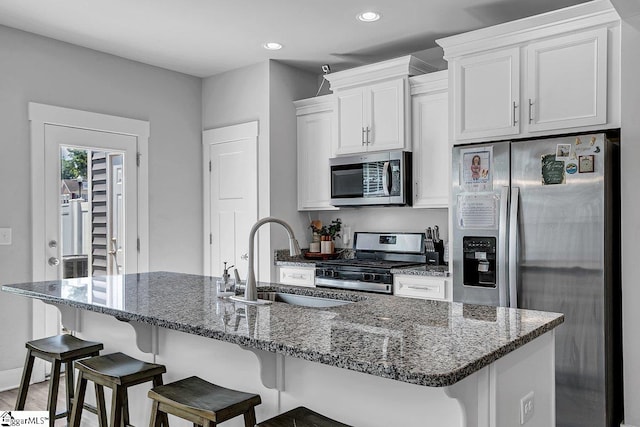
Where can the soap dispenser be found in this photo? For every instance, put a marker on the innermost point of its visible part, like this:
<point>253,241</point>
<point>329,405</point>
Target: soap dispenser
<point>225,286</point>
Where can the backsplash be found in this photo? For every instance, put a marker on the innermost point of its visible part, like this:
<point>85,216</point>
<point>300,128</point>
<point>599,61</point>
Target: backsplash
<point>383,219</point>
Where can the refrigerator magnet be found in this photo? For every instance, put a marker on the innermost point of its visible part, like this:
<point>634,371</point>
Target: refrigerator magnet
<point>586,164</point>
<point>563,151</point>
<point>476,169</point>
<point>571,168</point>
<point>552,170</point>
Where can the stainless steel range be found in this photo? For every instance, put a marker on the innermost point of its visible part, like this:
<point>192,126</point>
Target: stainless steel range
<point>375,255</point>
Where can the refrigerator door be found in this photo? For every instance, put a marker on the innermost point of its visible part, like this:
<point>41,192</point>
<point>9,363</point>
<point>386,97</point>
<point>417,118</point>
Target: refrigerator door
<point>480,195</point>
<point>560,266</point>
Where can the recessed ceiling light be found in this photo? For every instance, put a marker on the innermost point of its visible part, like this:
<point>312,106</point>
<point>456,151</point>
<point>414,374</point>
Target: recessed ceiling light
<point>272,46</point>
<point>368,16</point>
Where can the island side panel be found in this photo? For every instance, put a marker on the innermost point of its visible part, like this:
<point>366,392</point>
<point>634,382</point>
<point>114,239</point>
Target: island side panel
<point>184,355</point>
<point>365,400</point>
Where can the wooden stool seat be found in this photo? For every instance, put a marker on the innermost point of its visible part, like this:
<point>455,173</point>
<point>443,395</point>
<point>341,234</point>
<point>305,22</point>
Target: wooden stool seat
<point>118,372</point>
<point>301,417</point>
<point>202,403</point>
<point>57,350</point>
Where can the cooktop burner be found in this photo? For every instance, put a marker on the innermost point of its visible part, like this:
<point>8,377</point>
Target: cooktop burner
<point>373,263</point>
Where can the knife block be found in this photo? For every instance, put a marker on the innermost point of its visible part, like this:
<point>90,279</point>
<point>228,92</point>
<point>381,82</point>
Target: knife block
<point>435,252</point>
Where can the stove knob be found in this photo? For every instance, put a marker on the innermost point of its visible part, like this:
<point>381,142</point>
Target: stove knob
<point>367,277</point>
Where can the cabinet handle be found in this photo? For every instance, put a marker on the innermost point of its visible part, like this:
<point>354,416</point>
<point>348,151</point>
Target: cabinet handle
<point>530,111</point>
<point>422,288</point>
<point>363,136</point>
<point>515,120</point>
<point>368,141</point>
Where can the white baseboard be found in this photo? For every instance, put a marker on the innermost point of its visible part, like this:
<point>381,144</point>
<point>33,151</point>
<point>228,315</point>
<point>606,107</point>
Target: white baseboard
<point>10,379</point>
<point>626,425</point>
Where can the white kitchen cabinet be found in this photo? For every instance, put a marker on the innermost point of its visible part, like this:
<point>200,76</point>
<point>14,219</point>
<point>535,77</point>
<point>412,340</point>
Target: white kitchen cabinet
<point>372,105</point>
<point>371,118</point>
<point>315,132</point>
<point>430,140</point>
<point>548,74</point>
<point>567,81</point>
<point>297,276</point>
<point>423,287</point>
<point>487,94</point>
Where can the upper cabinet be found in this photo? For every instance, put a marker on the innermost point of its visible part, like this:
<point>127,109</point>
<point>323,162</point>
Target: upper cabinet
<point>315,132</point>
<point>371,118</point>
<point>372,106</point>
<point>553,73</point>
<point>487,95</point>
<point>430,137</point>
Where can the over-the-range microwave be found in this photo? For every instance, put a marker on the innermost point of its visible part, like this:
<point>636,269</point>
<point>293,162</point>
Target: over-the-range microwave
<point>371,179</point>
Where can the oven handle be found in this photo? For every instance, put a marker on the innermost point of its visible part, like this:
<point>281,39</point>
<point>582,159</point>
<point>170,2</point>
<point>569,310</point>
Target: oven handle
<point>354,284</point>
<point>385,178</point>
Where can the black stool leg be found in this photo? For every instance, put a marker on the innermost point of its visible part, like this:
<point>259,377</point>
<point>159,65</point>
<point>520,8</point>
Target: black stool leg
<point>24,383</point>
<point>79,401</point>
<point>116,406</point>
<point>54,385</point>
<point>125,408</point>
<point>101,408</point>
<point>250,418</point>
<point>68,376</point>
<point>163,418</point>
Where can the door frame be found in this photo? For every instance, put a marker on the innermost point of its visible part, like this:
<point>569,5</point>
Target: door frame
<point>41,115</point>
<point>248,130</point>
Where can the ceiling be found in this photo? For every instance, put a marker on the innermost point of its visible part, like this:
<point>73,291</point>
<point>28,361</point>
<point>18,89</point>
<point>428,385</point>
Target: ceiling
<point>207,37</point>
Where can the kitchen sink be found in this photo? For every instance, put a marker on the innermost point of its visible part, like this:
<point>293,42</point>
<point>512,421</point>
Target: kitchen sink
<point>302,300</point>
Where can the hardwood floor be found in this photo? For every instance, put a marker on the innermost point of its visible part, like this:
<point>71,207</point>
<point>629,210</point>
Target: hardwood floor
<point>37,401</point>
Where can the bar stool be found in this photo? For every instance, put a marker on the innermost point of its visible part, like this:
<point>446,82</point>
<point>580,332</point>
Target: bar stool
<point>58,349</point>
<point>202,403</point>
<point>118,372</point>
<point>301,417</point>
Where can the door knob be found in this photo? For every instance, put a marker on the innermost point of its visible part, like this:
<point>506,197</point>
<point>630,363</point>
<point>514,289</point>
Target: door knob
<point>53,244</point>
<point>53,261</point>
<point>244,257</point>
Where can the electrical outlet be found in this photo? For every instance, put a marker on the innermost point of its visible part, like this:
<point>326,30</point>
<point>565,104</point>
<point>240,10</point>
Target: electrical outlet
<point>5,236</point>
<point>526,408</point>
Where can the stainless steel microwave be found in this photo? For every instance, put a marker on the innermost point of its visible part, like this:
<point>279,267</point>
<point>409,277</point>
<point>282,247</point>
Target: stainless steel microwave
<point>371,179</point>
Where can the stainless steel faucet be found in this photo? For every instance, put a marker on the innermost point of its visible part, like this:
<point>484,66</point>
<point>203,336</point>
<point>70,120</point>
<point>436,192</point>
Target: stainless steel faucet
<point>250,290</point>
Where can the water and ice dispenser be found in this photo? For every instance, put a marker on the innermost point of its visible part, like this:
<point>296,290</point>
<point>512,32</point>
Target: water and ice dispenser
<point>479,265</point>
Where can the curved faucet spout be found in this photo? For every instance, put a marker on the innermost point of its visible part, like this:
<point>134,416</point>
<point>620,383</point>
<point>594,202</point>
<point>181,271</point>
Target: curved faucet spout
<point>250,290</point>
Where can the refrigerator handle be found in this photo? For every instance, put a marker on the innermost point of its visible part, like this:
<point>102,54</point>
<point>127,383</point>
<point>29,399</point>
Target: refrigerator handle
<point>502,248</point>
<point>513,247</point>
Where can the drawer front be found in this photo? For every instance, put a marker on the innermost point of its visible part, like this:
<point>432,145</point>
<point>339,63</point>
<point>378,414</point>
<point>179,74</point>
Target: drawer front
<point>420,287</point>
<point>297,276</point>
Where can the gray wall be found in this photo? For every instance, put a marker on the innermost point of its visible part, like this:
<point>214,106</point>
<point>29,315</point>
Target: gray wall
<point>42,70</point>
<point>630,153</point>
<point>264,92</point>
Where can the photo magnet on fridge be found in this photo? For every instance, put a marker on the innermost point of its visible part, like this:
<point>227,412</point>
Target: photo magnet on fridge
<point>475,169</point>
<point>586,164</point>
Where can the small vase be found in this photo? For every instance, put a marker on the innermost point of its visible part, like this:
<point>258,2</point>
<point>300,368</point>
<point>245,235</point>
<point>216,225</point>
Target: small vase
<point>326,245</point>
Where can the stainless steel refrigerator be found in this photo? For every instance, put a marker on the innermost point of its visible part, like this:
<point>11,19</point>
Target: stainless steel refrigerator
<point>536,225</point>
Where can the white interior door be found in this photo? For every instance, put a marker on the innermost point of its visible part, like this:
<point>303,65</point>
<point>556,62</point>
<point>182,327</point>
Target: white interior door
<point>231,197</point>
<point>112,201</point>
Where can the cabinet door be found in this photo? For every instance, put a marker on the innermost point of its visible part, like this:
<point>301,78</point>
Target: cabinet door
<point>423,287</point>
<point>430,149</point>
<point>314,150</point>
<point>297,276</point>
<point>487,95</point>
<point>350,121</point>
<point>567,81</point>
<point>385,110</point>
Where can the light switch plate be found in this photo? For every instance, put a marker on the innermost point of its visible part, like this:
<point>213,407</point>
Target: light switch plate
<point>5,236</point>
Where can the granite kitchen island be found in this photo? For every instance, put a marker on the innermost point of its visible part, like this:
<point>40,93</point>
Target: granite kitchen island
<point>378,361</point>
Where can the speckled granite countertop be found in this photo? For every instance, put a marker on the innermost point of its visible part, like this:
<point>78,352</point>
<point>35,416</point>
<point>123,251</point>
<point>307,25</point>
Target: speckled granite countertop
<point>423,270</point>
<point>429,343</point>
